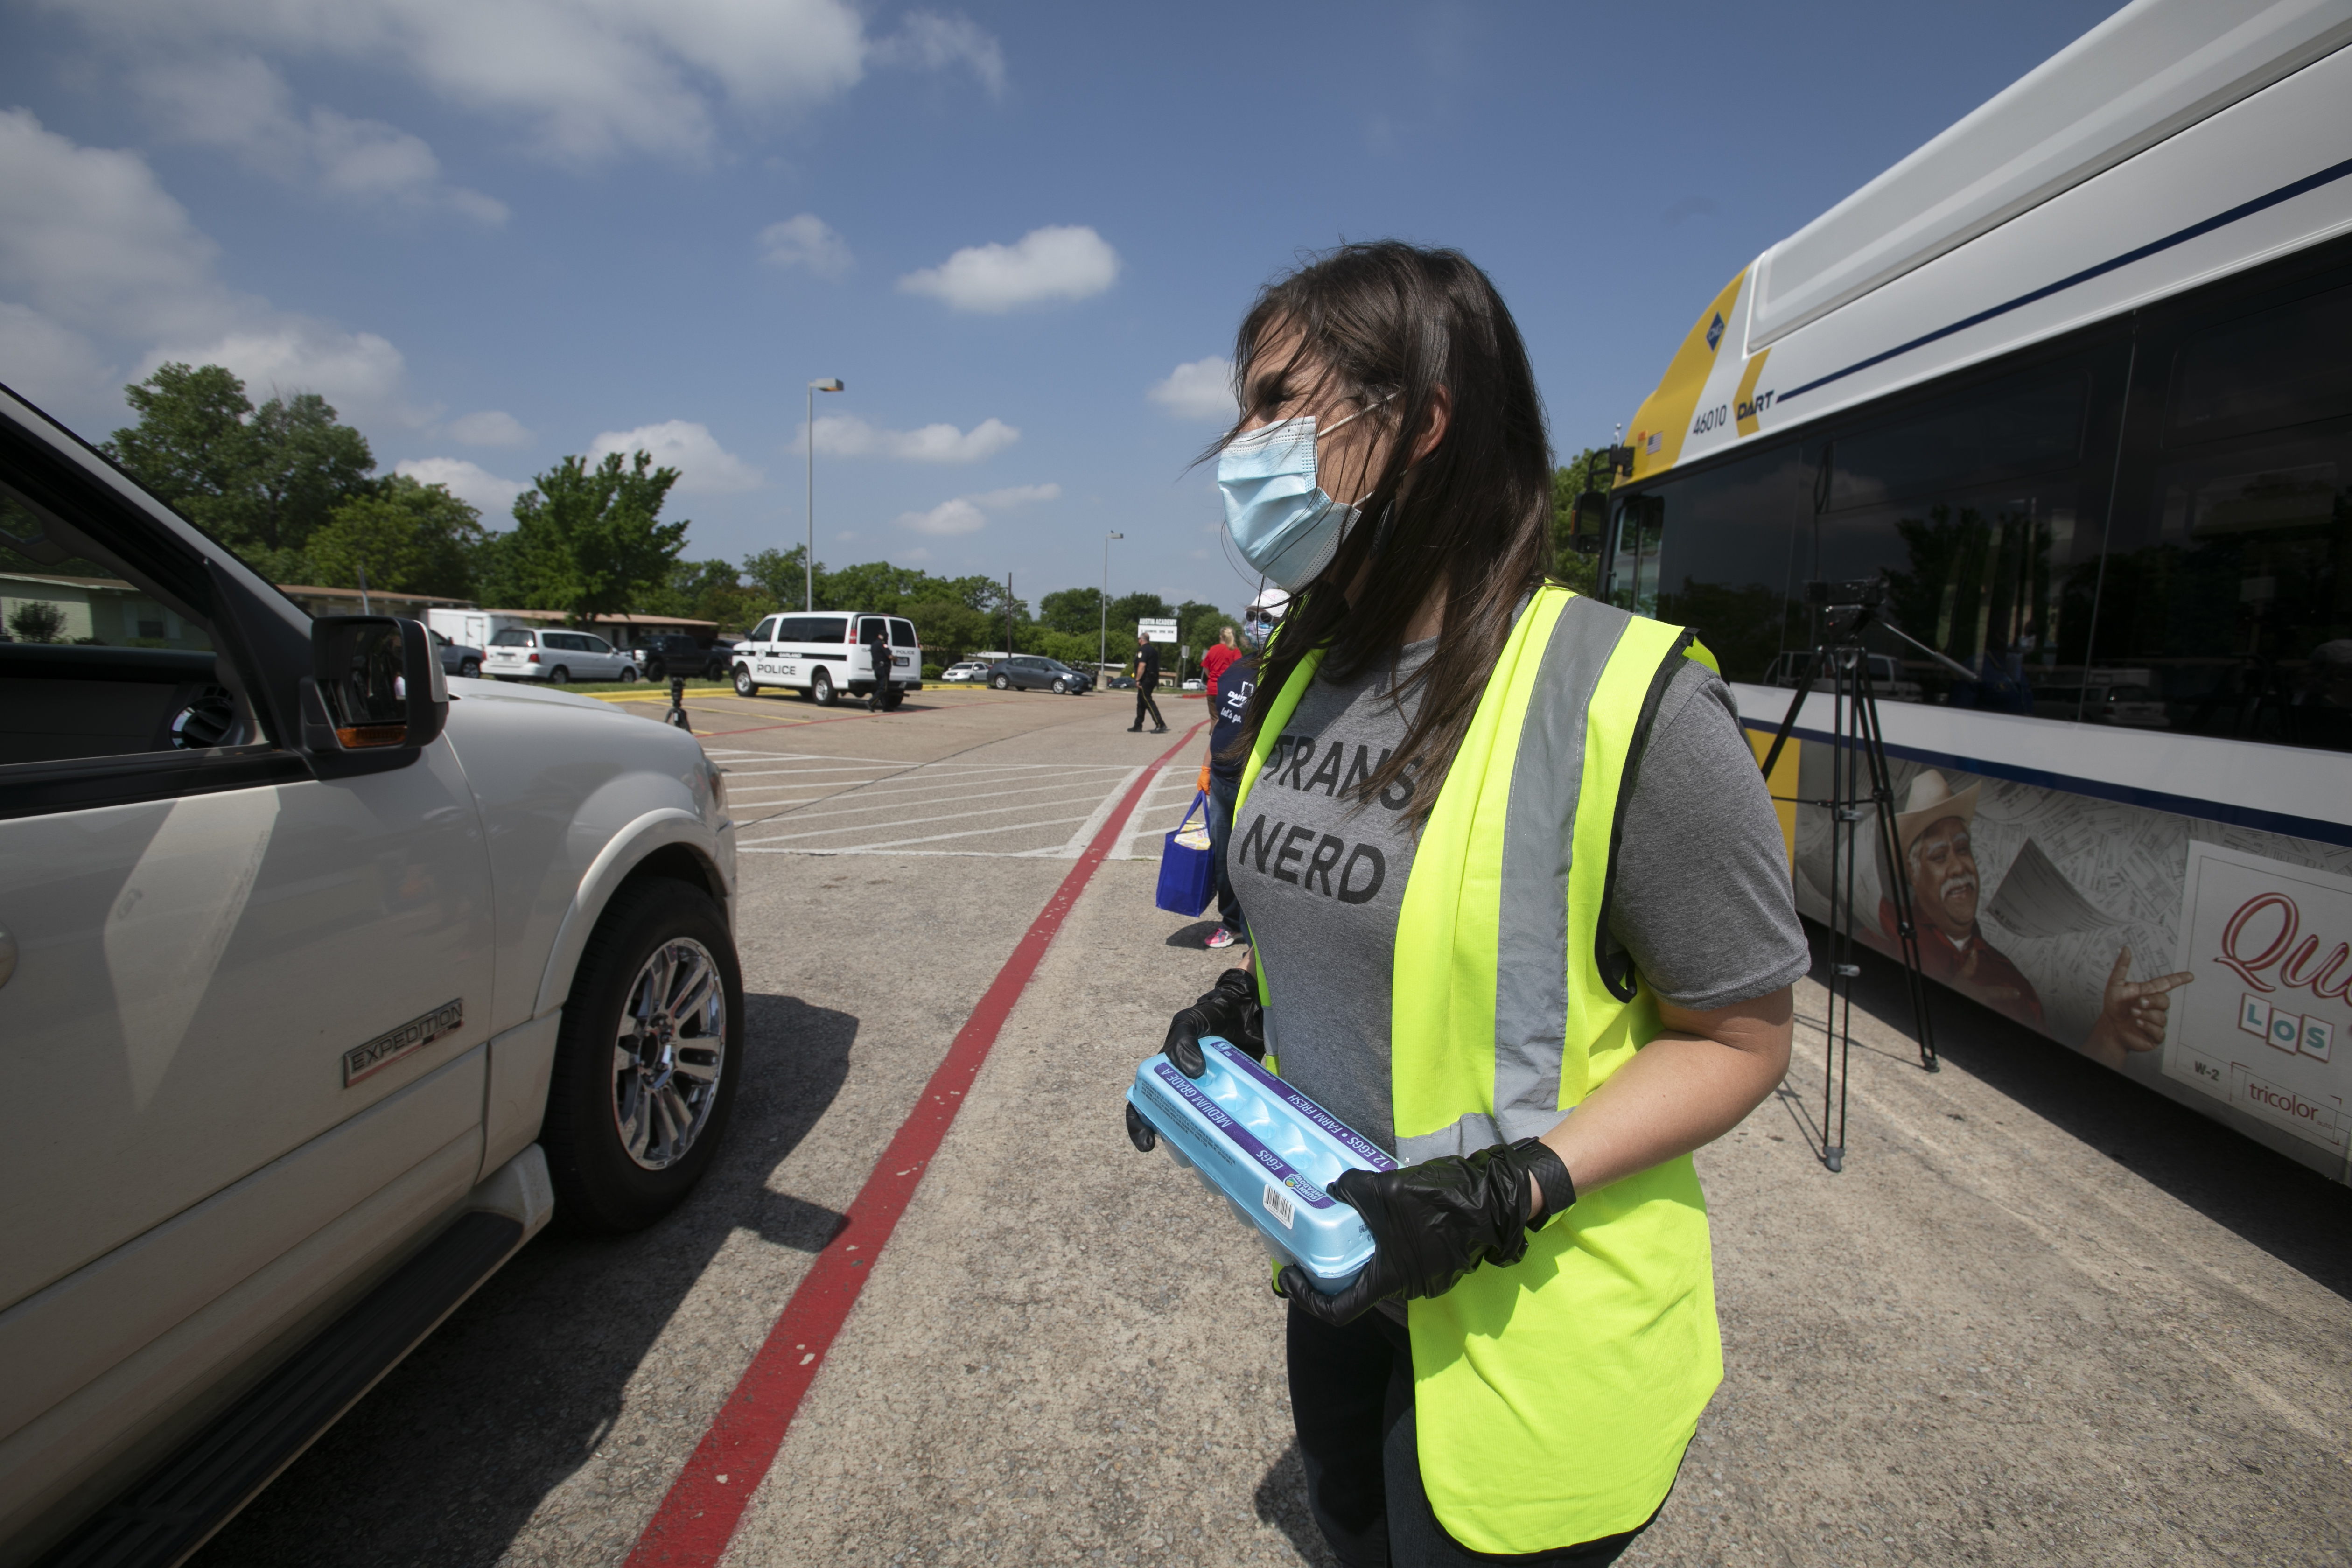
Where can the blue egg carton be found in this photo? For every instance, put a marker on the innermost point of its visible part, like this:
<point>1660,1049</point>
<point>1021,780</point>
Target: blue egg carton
<point>1268,1151</point>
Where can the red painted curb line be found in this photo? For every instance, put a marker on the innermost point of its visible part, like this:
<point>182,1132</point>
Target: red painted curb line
<point>697,1517</point>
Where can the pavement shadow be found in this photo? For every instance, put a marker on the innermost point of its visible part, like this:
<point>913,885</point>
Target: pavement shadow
<point>1281,1501</point>
<point>508,1398</point>
<point>1195,935</point>
<point>2291,1212</point>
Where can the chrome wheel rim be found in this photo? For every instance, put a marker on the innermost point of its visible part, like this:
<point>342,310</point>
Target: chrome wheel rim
<point>669,1054</point>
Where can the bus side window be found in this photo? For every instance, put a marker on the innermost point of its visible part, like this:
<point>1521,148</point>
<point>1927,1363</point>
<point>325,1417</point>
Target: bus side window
<point>2233,596</point>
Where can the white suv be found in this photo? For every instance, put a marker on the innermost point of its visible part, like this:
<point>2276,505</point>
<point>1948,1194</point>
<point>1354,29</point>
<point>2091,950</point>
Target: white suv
<point>325,981</point>
<point>557,658</point>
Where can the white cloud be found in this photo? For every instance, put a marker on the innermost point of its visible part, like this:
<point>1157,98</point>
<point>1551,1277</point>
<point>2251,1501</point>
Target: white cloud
<point>1203,389</point>
<point>588,78</point>
<point>968,514</point>
<point>240,104</point>
<point>1059,263</point>
<point>361,374</point>
<point>704,466</point>
<point>806,240</point>
<point>489,427</point>
<point>53,366</point>
<point>93,244</point>
<point>487,493</point>
<point>932,42</point>
<point>846,436</point>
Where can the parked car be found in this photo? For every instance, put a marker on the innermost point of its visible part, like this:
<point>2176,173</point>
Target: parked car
<point>665,654</point>
<point>556,658</point>
<point>1031,672</point>
<point>967,670</point>
<point>338,985</point>
<point>1192,683</point>
<point>1120,683</point>
<point>457,659</point>
<point>825,656</point>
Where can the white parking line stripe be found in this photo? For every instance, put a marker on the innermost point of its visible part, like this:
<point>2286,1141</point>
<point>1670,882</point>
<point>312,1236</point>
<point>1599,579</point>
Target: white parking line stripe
<point>927,839</point>
<point>866,810</point>
<point>904,822</point>
<point>1085,836</point>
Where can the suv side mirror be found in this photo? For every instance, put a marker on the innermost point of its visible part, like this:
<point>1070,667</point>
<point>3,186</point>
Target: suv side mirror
<point>1587,523</point>
<point>375,697</point>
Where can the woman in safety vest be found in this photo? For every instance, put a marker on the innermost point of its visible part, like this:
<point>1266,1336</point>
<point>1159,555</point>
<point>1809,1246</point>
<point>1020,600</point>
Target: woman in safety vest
<point>1521,915</point>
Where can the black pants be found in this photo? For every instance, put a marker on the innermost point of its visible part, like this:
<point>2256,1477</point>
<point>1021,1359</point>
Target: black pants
<point>1351,1402</point>
<point>1143,704</point>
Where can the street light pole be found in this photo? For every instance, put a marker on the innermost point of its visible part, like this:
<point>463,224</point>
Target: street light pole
<point>808,562</point>
<point>1102,640</point>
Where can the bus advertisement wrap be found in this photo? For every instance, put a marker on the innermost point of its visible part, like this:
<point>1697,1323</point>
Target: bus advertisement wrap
<point>2190,954</point>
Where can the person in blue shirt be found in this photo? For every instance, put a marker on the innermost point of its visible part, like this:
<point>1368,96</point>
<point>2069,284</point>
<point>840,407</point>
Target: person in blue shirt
<point>1229,702</point>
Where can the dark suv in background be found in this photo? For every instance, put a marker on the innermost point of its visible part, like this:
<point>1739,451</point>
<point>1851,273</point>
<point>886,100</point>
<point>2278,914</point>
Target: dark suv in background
<point>665,654</point>
<point>1029,672</point>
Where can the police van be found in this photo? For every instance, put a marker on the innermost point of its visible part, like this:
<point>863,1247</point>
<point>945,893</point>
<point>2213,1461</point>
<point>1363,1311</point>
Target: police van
<point>825,656</point>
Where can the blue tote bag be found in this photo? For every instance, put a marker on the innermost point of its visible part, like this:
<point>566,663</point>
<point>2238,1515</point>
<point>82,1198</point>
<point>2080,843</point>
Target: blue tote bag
<point>1188,868</point>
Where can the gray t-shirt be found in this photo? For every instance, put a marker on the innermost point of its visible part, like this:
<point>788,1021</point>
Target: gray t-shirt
<point>1702,898</point>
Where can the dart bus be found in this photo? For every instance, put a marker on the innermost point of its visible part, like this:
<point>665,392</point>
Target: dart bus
<point>2072,384</point>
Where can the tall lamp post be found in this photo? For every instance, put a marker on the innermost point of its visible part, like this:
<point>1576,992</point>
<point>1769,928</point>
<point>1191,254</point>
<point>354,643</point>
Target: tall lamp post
<point>1102,641</point>
<point>830,383</point>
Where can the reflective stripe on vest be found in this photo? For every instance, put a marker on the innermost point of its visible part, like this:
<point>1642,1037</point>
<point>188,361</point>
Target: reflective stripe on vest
<point>1552,1399</point>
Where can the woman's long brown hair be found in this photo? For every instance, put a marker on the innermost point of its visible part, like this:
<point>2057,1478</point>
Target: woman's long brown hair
<point>1471,519</point>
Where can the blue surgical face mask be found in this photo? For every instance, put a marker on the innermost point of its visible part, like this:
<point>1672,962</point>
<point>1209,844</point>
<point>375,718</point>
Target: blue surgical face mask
<point>1283,523</point>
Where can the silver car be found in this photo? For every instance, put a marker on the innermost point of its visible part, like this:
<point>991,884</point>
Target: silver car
<point>556,658</point>
<point>325,984</point>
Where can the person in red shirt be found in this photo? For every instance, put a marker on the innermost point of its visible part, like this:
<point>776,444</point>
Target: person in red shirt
<point>1221,652</point>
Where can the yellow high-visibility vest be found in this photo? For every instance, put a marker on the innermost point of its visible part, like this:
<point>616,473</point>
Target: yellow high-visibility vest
<point>1553,1399</point>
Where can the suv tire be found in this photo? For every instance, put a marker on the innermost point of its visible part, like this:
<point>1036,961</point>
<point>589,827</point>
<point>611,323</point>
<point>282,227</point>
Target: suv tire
<point>744,685</point>
<point>821,690</point>
<point>559,676</point>
<point>607,1087</point>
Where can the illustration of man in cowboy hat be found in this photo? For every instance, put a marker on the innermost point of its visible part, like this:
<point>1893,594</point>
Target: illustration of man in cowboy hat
<point>1940,860</point>
<point>1939,857</point>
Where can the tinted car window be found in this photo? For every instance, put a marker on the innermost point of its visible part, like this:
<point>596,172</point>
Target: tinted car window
<point>595,645</point>
<point>2287,365</point>
<point>902,632</point>
<point>764,632</point>
<point>827,629</point>
<point>513,637</point>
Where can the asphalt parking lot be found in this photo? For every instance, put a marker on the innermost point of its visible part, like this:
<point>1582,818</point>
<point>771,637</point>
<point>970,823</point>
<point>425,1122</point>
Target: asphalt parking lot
<point>2042,1317</point>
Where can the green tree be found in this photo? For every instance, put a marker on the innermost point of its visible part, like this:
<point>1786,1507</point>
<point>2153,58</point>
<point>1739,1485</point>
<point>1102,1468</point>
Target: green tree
<point>411,537</point>
<point>38,620</point>
<point>1589,470</point>
<point>304,464</point>
<point>192,445</point>
<point>1077,611</point>
<point>589,541</point>
<point>1129,608</point>
<point>259,481</point>
<point>706,591</point>
<point>950,628</point>
<point>877,585</point>
<point>777,579</point>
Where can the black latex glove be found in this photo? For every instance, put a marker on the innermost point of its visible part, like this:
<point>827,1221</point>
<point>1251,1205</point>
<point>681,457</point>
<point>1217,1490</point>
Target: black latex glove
<point>1435,1222</point>
<point>1229,1009</point>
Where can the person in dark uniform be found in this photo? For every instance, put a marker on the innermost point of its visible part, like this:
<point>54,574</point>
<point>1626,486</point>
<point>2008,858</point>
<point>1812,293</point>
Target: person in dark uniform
<point>878,647</point>
<point>1147,681</point>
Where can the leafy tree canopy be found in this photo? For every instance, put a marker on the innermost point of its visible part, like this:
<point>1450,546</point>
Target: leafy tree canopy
<point>1589,470</point>
<point>590,542</point>
<point>411,538</point>
<point>259,481</point>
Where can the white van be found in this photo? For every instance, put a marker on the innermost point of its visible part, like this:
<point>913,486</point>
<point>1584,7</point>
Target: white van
<point>824,654</point>
<point>555,657</point>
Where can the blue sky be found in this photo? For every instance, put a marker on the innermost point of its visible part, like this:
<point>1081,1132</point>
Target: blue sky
<point>495,232</point>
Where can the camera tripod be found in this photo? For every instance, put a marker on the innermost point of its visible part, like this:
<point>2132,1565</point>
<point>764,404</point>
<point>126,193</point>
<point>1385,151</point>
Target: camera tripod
<point>1859,782</point>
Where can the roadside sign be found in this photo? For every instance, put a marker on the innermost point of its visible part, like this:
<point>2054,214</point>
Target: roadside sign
<point>1157,631</point>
